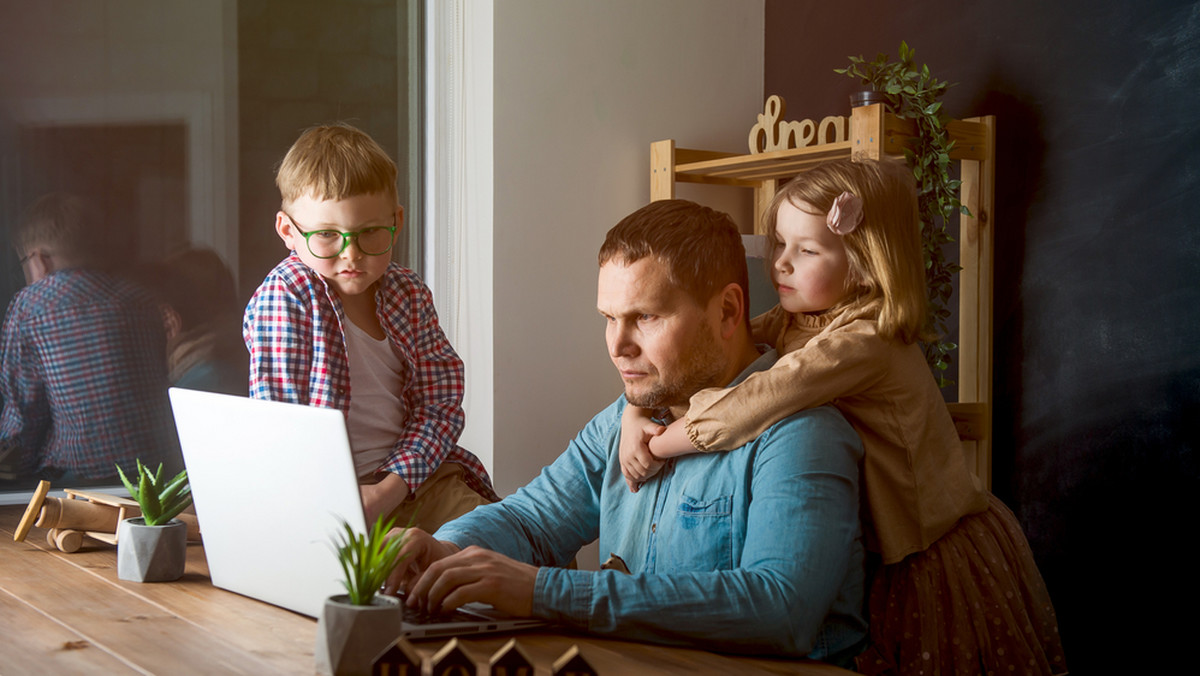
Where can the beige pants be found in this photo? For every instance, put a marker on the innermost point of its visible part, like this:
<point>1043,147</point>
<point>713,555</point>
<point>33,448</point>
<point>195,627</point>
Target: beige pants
<point>443,497</point>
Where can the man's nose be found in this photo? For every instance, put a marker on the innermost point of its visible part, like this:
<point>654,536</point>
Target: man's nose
<point>621,342</point>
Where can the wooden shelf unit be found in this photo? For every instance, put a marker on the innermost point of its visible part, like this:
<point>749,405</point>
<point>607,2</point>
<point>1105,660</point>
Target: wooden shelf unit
<point>874,133</point>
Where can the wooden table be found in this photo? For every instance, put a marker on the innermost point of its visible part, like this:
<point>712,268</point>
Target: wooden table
<point>68,613</point>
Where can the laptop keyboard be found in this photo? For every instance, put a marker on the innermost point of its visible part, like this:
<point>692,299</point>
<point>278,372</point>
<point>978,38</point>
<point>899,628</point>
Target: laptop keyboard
<point>415,616</point>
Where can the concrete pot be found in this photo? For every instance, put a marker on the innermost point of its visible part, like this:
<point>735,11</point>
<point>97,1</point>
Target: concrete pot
<point>350,637</point>
<point>151,553</point>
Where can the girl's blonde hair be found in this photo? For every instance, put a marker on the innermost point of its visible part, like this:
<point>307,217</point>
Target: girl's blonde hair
<point>884,252</point>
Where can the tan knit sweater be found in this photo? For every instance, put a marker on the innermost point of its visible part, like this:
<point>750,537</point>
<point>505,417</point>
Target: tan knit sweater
<point>914,476</point>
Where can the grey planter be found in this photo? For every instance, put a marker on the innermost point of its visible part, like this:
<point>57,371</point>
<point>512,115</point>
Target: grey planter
<point>151,553</point>
<point>350,637</point>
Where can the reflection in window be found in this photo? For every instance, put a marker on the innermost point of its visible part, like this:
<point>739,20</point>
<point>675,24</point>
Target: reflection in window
<point>170,115</point>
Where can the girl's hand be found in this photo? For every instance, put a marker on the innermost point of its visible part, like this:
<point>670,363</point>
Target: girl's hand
<point>637,462</point>
<point>672,442</point>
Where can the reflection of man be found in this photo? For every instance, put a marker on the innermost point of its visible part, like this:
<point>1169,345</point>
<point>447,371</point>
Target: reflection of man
<point>83,376</point>
<point>756,550</point>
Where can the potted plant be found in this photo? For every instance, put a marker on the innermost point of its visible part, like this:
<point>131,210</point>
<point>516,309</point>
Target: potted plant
<point>153,547</point>
<point>912,93</point>
<point>356,627</point>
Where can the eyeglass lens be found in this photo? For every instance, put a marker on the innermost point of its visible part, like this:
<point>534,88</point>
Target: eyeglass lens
<point>371,241</point>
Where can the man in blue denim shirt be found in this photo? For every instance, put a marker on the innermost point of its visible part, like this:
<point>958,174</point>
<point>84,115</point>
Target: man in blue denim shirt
<point>757,550</point>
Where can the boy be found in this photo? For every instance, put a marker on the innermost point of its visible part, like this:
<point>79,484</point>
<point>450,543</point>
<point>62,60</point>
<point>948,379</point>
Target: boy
<point>336,324</point>
<point>84,371</point>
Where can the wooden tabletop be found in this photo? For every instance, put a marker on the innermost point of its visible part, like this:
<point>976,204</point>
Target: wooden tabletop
<point>69,614</point>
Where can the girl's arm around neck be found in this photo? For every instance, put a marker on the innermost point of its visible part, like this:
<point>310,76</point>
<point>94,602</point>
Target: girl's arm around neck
<point>673,442</point>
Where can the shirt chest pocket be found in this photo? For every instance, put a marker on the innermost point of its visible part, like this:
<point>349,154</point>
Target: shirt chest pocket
<point>703,538</point>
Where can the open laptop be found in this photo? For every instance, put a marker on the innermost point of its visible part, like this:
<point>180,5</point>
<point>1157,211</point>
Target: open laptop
<point>271,483</point>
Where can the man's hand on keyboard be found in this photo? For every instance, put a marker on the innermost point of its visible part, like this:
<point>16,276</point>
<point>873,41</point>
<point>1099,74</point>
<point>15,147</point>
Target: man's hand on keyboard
<point>474,574</point>
<point>418,552</point>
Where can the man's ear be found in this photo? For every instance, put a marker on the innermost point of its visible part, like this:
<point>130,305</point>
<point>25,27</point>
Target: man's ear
<point>733,309</point>
<point>285,230</point>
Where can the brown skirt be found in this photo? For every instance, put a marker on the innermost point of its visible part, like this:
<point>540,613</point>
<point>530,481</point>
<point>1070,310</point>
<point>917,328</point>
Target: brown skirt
<point>973,603</point>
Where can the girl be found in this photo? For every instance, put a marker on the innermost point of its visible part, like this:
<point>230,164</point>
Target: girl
<point>958,591</point>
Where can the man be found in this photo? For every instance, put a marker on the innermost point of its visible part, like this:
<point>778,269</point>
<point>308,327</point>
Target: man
<point>757,550</point>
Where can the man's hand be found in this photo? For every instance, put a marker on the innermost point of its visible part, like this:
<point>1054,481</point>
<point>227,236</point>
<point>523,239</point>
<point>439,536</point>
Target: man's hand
<point>419,551</point>
<point>637,462</point>
<point>382,497</point>
<point>476,574</point>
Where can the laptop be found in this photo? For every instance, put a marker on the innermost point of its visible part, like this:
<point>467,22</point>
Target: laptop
<point>271,483</point>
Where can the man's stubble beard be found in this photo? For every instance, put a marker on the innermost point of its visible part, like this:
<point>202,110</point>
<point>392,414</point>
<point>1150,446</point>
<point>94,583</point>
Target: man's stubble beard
<point>702,366</point>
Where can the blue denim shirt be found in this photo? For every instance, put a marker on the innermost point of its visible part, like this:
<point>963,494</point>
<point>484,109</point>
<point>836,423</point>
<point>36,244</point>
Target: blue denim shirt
<point>756,550</point>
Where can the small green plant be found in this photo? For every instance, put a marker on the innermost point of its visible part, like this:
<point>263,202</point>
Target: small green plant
<point>367,559</point>
<point>160,502</point>
<point>913,94</point>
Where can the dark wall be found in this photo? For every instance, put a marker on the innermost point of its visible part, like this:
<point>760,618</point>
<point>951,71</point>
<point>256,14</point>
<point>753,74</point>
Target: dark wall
<point>1097,306</point>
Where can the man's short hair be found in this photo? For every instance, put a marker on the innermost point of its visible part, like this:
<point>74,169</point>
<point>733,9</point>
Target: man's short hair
<point>701,247</point>
<point>63,224</point>
<point>335,162</point>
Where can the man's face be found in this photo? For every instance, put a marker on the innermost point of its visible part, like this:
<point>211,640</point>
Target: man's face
<point>662,342</point>
<point>351,272</point>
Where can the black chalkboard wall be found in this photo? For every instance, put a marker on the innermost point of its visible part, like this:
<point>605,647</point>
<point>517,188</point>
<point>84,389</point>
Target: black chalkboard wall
<point>1097,307</point>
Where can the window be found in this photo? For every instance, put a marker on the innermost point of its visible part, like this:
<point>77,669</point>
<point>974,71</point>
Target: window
<point>169,117</point>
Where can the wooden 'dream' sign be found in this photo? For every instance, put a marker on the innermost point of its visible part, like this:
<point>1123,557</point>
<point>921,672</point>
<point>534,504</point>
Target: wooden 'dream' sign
<point>770,133</point>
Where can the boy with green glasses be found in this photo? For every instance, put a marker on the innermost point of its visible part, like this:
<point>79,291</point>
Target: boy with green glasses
<point>337,324</point>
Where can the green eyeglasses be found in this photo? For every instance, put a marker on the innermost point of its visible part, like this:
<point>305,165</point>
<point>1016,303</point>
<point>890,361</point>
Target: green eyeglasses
<point>373,241</point>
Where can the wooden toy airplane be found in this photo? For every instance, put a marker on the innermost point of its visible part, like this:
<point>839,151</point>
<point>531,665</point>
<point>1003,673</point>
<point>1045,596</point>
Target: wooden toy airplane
<point>81,513</point>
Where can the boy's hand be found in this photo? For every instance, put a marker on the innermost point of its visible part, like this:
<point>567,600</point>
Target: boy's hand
<point>637,462</point>
<point>383,497</point>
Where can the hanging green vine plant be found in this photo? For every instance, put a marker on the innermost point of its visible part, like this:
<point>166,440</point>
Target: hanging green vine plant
<point>913,94</point>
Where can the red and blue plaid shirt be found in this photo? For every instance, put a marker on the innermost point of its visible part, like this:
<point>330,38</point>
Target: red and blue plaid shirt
<point>293,328</point>
<point>84,377</point>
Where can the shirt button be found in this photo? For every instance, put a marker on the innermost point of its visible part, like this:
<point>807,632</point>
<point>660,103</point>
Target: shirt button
<point>653,527</point>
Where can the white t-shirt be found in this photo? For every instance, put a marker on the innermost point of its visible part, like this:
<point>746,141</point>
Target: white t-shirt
<point>377,412</point>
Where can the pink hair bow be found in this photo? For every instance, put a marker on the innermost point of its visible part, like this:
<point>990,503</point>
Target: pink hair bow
<point>846,214</point>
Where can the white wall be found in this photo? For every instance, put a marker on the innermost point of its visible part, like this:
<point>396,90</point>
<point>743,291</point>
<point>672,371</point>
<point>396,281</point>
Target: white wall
<point>580,89</point>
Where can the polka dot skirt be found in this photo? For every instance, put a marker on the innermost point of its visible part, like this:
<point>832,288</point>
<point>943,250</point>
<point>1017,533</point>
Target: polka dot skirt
<point>973,603</point>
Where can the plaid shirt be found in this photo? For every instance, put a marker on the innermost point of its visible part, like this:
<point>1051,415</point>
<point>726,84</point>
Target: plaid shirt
<point>293,328</point>
<point>84,377</point>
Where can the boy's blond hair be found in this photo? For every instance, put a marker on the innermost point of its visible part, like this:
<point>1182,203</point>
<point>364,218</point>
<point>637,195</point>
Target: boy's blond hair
<point>65,225</point>
<point>334,162</point>
<point>884,252</point>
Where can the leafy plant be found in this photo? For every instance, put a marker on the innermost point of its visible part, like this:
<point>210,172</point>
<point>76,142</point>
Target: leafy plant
<point>367,559</point>
<point>160,502</point>
<point>913,94</point>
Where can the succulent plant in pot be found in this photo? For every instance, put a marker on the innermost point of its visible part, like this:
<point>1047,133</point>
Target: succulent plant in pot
<point>355,627</point>
<point>153,547</point>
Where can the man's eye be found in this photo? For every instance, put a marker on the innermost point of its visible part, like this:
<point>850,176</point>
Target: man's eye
<point>328,235</point>
<point>646,318</point>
